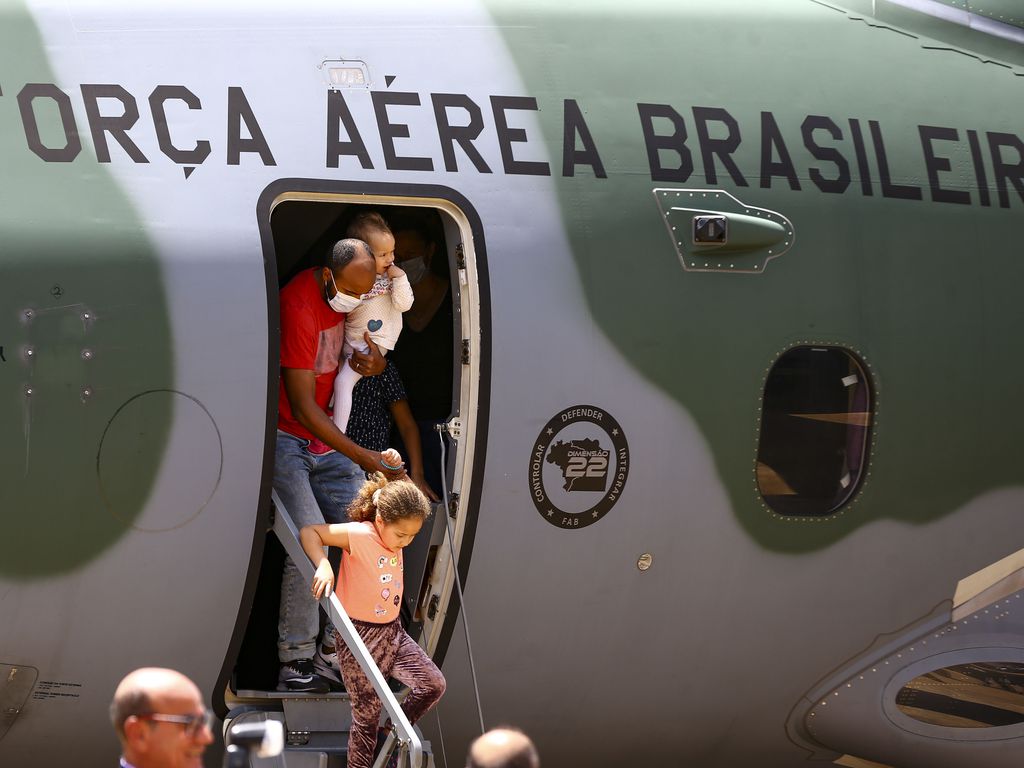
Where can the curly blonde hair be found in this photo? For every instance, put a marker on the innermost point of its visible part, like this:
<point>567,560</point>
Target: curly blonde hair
<point>393,500</point>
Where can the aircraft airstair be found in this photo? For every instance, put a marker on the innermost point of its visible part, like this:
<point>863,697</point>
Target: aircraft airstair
<point>317,725</point>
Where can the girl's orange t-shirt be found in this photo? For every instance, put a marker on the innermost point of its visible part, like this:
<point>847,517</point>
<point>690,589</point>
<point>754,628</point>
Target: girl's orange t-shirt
<point>370,580</point>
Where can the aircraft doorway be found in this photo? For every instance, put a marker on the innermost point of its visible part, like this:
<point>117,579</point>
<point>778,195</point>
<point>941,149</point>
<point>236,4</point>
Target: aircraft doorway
<point>442,357</point>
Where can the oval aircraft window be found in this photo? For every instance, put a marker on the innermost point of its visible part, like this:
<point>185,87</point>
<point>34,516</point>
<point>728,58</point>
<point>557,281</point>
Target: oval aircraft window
<point>981,695</point>
<point>815,425</point>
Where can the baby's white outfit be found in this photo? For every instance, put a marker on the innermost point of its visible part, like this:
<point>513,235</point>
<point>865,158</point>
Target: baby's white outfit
<point>380,313</point>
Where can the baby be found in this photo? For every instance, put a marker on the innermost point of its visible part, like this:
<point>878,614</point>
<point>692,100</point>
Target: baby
<point>380,312</point>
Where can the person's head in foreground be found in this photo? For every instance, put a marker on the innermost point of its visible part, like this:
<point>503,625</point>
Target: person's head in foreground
<point>160,719</point>
<point>503,748</point>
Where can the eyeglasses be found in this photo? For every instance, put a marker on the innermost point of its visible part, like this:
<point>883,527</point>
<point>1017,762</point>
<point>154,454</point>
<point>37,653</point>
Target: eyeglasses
<point>193,723</point>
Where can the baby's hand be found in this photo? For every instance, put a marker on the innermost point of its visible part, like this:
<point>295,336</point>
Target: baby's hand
<point>395,271</point>
<point>323,580</point>
<point>392,459</point>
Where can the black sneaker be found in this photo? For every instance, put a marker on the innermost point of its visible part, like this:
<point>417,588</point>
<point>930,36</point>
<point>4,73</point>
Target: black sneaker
<point>299,675</point>
<point>326,666</point>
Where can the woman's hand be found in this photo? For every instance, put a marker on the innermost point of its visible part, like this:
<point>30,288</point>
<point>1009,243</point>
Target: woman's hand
<point>419,481</point>
<point>323,580</point>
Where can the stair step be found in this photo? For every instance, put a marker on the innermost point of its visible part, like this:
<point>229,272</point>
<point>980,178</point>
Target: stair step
<point>267,696</point>
<point>307,748</point>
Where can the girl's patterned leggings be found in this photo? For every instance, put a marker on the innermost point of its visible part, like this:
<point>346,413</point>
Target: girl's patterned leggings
<point>398,656</point>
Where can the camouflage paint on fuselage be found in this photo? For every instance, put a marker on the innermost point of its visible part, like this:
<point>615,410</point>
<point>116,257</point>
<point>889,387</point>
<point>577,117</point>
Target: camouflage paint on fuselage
<point>925,291</point>
<point>83,327</point>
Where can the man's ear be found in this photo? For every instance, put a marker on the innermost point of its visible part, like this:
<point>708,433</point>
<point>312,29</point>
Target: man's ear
<point>135,730</point>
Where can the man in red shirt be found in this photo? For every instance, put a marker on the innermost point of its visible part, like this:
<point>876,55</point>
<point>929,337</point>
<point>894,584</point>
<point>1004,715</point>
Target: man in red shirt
<point>317,469</point>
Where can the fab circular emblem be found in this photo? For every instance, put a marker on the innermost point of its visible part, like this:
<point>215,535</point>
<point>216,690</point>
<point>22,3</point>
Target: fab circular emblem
<point>578,467</point>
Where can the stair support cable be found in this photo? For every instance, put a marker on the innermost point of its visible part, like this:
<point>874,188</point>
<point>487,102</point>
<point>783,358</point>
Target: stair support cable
<point>286,531</point>
<point>441,429</point>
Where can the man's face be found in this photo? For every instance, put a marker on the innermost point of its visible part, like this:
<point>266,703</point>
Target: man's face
<point>173,745</point>
<point>354,279</point>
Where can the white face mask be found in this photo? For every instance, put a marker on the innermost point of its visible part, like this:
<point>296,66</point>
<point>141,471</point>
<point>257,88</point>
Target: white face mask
<point>415,269</point>
<point>342,302</point>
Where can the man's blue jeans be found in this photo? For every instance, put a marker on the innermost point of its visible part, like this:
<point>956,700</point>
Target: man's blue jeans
<point>314,489</point>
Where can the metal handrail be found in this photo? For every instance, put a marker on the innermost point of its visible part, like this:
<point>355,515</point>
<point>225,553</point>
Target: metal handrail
<point>286,531</point>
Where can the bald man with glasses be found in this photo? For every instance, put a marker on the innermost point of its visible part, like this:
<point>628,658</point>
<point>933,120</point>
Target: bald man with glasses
<point>160,719</point>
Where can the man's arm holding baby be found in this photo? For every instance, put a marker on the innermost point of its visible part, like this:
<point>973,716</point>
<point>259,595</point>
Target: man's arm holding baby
<point>300,387</point>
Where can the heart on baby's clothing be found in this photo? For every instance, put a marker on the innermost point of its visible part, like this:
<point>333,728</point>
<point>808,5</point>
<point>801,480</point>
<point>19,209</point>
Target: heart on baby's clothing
<point>374,325</point>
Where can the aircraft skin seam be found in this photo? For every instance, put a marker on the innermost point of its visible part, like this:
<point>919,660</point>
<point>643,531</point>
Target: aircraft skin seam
<point>935,46</point>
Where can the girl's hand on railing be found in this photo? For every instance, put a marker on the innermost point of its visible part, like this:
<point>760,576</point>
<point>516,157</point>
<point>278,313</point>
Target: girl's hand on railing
<point>323,579</point>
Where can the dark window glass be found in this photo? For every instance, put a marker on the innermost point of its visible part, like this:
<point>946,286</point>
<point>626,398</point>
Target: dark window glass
<point>983,695</point>
<point>815,426</point>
